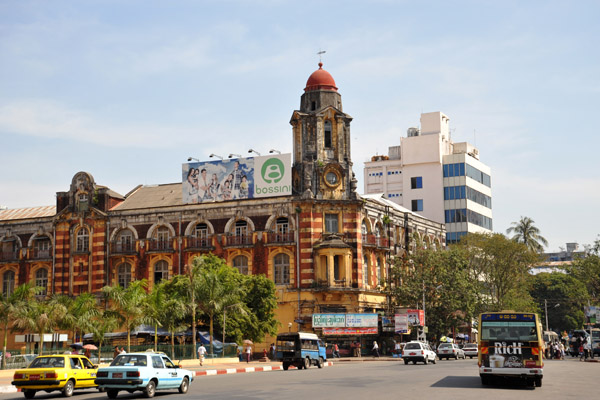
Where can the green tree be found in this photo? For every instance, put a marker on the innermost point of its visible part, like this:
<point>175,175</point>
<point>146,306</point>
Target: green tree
<point>587,270</point>
<point>442,280</point>
<point>563,296</point>
<point>217,289</point>
<point>174,310</point>
<point>101,324</point>
<point>527,233</point>
<point>501,267</point>
<point>10,305</point>
<point>80,312</point>
<point>153,309</point>
<point>260,300</point>
<point>40,317</point>
<point>126,305</point>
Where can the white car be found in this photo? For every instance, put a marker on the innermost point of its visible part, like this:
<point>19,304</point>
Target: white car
<point>450,350</point>
<point>418,351</point>
<point>470,350</point>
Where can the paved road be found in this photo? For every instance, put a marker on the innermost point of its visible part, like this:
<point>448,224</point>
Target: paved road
<point>378,380</point>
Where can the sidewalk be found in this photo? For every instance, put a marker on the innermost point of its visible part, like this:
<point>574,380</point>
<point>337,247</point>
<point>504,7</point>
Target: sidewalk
<point>217,367</point>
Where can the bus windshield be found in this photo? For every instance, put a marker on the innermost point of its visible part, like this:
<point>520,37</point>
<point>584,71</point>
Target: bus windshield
<point>509,330</point>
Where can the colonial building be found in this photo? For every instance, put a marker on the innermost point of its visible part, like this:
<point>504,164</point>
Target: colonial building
<point>326,248</point>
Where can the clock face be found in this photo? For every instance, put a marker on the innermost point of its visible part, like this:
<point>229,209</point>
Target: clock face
<point>331,178</point>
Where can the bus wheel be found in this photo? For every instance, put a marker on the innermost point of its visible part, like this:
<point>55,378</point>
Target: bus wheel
<point>306,363</point>
<point>285,366</point>
<point>538,382</point>
<point>320,362</point>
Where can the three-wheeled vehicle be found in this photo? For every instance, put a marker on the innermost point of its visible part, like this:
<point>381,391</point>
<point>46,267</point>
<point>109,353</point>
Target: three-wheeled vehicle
<point>300,349</point>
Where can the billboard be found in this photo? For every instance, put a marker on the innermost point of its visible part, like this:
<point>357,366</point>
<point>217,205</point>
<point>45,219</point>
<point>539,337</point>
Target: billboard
<point>344,320</point>
<point>236,179</point>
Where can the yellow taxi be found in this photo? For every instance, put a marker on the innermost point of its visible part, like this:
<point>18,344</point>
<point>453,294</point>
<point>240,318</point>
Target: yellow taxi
<point>63,372</point>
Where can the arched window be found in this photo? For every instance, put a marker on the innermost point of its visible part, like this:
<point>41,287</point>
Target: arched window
<point>41,280</point>
<point>83,240</point>
<point>201,234</point>
<point>241,263</point>
<point>8,283</point>
<point>379,271</point>
<point>240,233</point>
<point>327,134</point>
<point>363,228</point>
<point>125,240</point>
<point>282,269</point>
<point>162,238</point>
<point>365,270</point>
<point>282,229</point>
<point>124,275</point>
<point>41,247</point>
<point>161,271</point>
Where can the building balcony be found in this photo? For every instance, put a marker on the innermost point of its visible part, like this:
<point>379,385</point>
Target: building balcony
<point>383,242</point>
<point>199,243</point>
<point>122,248</point>
<point>9,255</point>
<point>238,240</point>
<point>369,240</point>
<point>280,238</point>
<point>41,254</point>
<point>159,245</point>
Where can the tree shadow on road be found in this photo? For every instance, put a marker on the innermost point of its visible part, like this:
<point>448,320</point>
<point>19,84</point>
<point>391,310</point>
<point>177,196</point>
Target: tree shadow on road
<point>474,382</point>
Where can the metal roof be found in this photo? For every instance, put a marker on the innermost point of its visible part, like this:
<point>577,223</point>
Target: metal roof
<point>27,213</point>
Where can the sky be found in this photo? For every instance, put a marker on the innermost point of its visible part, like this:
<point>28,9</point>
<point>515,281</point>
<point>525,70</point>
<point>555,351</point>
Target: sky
<point>127,90</point>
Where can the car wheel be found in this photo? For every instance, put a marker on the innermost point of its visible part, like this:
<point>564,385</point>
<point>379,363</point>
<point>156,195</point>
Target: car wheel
<point>320,362</point>
<point>538,382</point>
<point>485,380</point>
<point>405,361</point>
<point>433,361</point>
<point>112,393</point>
<point>28,393</point>
<point>286,366</point>
<point>68,389</point>
<point>425,360</point>
<point>306,363</point>
<point>150,390</point>
<point>414,362</point>
<point>185,384</point>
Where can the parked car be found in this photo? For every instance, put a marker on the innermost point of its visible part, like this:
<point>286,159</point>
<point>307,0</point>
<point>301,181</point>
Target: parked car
<point>450,350</point>
<point>63,372</point>
<point>470,350</point>
<point>19,361</point>
<point>418,351</point>
<point>146,372</point>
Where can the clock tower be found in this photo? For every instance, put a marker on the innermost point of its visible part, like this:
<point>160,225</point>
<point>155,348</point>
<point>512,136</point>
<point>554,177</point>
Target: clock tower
<point>322,165</point>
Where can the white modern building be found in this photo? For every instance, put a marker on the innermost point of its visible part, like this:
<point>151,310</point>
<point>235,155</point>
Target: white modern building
<point>435,177</point>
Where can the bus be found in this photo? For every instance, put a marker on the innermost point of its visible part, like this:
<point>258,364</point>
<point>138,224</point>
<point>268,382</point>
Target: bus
<point>550,337</point>
<point>511,345</point>
<point>301,349</point>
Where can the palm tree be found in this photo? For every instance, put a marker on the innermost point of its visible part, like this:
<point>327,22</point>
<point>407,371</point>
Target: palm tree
<point>527,233</point>
<point>153,308</point>
<point>40,317</point>
<point>101,324</point>
<point>127,305</point>
<point>9,306</point>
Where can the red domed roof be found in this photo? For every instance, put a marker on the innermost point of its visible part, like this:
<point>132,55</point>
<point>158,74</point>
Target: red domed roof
<point>320,80</point>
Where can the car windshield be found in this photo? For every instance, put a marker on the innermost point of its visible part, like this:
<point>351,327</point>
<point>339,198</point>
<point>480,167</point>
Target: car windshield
<point>413,346</point>
<point>48,362</point>
<point>129,360</point>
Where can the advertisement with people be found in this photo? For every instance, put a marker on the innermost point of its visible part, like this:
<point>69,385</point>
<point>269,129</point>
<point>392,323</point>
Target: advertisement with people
<point>236,179</point>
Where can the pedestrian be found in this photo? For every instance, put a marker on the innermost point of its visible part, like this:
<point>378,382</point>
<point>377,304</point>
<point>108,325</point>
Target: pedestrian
<point>375,349</point>
<point>123,350</point>
<point>336,351</point>
<point>397,348</point>
<point>201,353</point>
<point>248,353</point>
<point>116,352</point>
<point>358,349</point>
<point>562,350</point>
<point>272,351</point>
<point>87,353</point>
<point>586,348</point>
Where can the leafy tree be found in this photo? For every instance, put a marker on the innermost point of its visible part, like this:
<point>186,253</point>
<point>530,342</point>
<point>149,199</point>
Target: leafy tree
<point>174,310</point>
<point>502,268</point>
<point>101,324</point>
<point>10,306</point>
<point>126,305</point>
<point>153,309</point>
<point>442,280</point>
<point>587,270</point>
<point>40,317</point>
<point>80,312</point>
<point>527,233</point>
<point>563,295</point>
<point>260,300</point>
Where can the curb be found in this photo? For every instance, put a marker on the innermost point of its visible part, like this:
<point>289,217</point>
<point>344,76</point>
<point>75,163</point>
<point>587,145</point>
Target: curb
<point>208,372</point>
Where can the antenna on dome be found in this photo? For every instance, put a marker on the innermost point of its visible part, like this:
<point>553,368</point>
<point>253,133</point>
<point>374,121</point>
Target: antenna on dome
<point>320,53</point>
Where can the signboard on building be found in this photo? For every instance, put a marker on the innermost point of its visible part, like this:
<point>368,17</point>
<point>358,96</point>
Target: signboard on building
<point>350,331</point>
<point>345,321</point>
<point>48,338</point>
<point>237,179</point>
<point>401,323</point>
<point>416,317</point>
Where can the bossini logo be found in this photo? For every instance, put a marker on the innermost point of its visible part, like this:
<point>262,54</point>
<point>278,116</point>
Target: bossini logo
<point>272,172</point>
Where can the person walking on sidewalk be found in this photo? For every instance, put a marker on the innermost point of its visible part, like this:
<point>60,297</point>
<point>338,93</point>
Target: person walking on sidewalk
<point>248,353</point>
<point>375,349</point>
<point>201,353</point>
<point>336,351</point>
